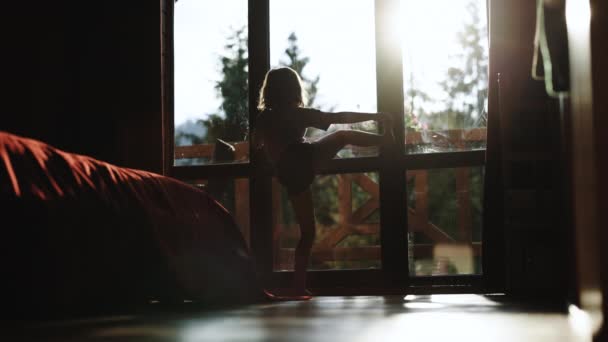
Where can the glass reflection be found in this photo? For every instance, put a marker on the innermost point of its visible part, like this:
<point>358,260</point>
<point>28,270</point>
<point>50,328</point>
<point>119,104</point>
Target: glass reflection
<point>445,62</point>
<point>211,82</point>
<point>333,50</point>
<point>444,221</point>
<point>347,222</point>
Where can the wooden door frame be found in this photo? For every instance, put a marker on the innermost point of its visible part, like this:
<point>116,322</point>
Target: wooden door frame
<point>392,164</point>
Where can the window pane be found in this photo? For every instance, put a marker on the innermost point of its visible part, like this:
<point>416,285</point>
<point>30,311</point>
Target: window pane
<point>332,45</point>
<point>347,222</point>
<point>445,74</point>
<point>233,194</point>
<point>211,75</point>
<point>444,217</point>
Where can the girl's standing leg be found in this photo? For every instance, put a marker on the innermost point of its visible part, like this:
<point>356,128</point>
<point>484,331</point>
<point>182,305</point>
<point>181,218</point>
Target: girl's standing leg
<point>304,210</point>
<point>302,204</point>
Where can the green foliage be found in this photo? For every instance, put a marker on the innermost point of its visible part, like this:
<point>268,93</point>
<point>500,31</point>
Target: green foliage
<point>467,83</point>
<point>443,204</point>
<point>325,198</point>
<point>232,121</point>
<point>477,176</point>
<point>414,107</point>
<point>190,138</point>
<point>298,63</point>
<point>465,86</point>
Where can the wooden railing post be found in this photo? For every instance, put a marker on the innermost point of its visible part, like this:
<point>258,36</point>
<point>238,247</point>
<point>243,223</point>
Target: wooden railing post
<point>351,222</point>
<point>345,209</point>
<point>421,191</point>
<point>278,226</point>
<point>241,194</point>
<point>463,198</point>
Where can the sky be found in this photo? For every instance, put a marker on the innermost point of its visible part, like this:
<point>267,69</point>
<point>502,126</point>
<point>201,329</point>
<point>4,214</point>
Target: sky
<point>337,36</point>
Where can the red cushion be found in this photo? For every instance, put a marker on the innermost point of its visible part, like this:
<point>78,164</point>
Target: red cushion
<point>84,233</point>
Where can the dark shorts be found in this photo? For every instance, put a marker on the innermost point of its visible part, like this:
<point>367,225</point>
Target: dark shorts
<point>295,167</point>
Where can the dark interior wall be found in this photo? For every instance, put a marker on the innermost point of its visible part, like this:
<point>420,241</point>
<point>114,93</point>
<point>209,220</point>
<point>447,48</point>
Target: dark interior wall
<point>599,57</point>
<point>534,185</point>
<point>85,77</point>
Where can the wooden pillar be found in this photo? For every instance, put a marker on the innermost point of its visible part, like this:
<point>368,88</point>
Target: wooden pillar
<point>389,75</point>
<point>241,194</point>
<point>277,225</point>
<point>421,191</point>
<point>588,159</point>
<point>463,200</point>
<point>345,208</point>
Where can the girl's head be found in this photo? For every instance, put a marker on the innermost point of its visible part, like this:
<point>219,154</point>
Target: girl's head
<point>282,88</point>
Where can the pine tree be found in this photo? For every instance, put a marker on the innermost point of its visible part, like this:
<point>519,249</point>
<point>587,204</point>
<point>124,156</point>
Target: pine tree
<point>231,123</point>
<point>298,63</point>
<point>414,106</point>
<point>324,189</point>
<point>467,85</point>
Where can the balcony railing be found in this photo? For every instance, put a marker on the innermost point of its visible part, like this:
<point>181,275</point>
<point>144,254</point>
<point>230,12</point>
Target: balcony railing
<point>354,221</point>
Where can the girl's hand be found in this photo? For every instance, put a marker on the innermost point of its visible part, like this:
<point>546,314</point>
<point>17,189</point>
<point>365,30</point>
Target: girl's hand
<point>385,119</point>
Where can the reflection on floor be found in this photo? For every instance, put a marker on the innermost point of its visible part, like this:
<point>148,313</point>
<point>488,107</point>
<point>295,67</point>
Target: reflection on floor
<point>367,318</point>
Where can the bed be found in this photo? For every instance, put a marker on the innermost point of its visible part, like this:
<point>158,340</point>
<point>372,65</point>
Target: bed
<point>80,234</point>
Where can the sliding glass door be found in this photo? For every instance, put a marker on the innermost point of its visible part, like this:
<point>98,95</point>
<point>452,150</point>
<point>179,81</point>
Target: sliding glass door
<point>386,217</point>
<point>445,73</point>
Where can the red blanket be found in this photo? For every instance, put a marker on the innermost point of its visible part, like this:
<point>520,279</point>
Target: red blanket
<point>81,233</point>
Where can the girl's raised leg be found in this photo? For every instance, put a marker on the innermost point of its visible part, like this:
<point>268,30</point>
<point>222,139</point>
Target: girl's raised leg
<point>332,143</point>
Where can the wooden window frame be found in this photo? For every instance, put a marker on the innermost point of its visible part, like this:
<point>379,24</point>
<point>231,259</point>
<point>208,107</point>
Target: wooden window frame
<point>391,164</point>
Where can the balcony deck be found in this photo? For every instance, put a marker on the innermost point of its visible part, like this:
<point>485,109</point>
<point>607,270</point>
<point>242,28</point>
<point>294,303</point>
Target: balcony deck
<point>370,318</point>
<point>354,221</point>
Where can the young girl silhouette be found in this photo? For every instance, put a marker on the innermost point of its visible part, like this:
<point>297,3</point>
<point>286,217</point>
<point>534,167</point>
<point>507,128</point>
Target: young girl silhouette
<point>280,131</point>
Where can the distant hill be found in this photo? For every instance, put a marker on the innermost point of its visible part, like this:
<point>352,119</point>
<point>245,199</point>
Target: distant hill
<point>186,132</point>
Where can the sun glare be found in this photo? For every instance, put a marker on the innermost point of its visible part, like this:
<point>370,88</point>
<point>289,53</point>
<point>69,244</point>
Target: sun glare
<point>338,43</point>
<point>434,44</point>
<point>578,14</point>
<point>393,24</point>
<point>429,39</point>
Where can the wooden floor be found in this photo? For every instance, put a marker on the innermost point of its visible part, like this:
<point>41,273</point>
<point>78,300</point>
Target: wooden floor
<point>368,318</point>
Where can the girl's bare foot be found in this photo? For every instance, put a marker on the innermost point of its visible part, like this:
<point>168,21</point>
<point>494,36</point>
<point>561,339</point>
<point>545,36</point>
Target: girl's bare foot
<point>301,292</point>
<point>289,294</point>
<point>387,126</point>
<point>389,136</point>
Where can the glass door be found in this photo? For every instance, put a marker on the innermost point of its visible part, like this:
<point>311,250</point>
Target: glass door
<point>445,73</point>
<point>403,214</point>
<point>331,44</point>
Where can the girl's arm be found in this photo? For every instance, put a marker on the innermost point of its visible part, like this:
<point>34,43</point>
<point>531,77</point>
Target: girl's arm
<point>256,139</point>
<point>257,134</point>
<point>353,117</point>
